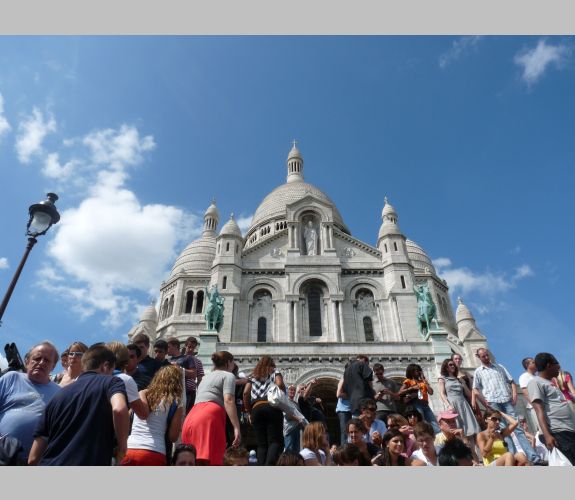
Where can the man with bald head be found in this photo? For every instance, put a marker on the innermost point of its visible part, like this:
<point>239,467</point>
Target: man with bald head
<point>23,396</point>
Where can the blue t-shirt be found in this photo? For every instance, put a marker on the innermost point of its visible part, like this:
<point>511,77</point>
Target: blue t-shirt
<point>78,422</point>
<point>22,404</point>
<point>376,426</point>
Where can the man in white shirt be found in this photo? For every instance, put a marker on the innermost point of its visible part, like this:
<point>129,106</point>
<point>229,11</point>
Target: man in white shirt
<point>524,379</point>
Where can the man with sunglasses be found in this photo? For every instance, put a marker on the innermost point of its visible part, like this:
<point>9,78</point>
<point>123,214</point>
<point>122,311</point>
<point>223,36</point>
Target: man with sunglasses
<point>23,396</point>
<point>494,383</point>
<point>375,427</point>
<point>147,366</point>
<point>554,413</point>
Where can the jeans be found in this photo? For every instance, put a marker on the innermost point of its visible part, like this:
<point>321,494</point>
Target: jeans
<point>509,409</point>
<point>427,414</point>
<point>292,440</point>
<point>268,426</point>
<point>344,418</point>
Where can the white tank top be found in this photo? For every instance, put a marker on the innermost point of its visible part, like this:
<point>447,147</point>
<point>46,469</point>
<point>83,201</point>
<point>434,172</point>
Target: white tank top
<point>149,434</point>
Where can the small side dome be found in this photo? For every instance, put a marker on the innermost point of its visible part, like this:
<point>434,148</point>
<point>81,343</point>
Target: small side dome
<point>388,211</point>
<point>294,152</point>
<point>212,211</point>
<point>150,314</point>
<point>197,257</point>
<point>463,313</point>
<point>231,228</point>
<point>418,256</point>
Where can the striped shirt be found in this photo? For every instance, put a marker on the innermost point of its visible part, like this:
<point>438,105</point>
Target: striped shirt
<point>494,381</point>
<point>260,387</point>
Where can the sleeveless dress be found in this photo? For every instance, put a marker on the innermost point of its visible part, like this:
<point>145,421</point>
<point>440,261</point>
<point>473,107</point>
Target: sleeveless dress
<point>456,398</point>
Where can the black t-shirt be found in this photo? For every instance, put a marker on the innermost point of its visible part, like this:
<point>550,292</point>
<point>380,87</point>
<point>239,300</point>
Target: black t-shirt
<point>78,422</point>
<point>356,383</point>
<point>147,368</point>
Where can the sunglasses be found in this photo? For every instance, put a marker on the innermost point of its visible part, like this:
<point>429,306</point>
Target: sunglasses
<point>73,354</point>
<point>495,419</point>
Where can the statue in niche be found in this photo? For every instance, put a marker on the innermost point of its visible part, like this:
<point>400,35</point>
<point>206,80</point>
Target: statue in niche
<point>310,238</point>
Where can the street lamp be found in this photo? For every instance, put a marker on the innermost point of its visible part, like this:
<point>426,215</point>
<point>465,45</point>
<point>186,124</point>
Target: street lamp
<point>42,216</point>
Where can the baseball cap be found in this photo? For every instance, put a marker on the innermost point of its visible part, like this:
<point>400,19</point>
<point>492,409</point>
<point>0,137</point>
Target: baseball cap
<point>447,415</point>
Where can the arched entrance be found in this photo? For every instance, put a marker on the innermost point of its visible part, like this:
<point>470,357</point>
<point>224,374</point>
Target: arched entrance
<point>326,389</point>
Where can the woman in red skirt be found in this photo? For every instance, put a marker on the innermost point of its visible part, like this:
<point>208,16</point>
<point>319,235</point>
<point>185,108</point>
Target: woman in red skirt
<point>205,425</point>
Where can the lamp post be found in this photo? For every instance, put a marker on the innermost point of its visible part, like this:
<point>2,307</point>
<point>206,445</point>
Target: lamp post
<point>42,216</point>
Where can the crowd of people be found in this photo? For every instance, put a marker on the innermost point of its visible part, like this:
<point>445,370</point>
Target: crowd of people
<point>114,404</point>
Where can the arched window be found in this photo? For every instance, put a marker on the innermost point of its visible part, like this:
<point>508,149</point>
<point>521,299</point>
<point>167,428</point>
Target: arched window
<point>262,329</point>
<point>227,247</point>
<point>224,282</point>
<point>164,309</point>
<point>199,301</point>
<point>171,306</point>
<point>314,309</point>
<point>189,301</point>
<point>237,248</point>
<point>395,246</point>
<point>368,329</point>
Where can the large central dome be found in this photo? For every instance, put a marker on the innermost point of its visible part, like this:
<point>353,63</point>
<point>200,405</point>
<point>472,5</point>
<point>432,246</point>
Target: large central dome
<point>274,205</point>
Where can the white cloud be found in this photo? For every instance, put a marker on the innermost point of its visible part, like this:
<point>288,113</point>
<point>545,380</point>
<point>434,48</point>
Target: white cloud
<point>458,48</point>
<point>245,222</point>
<point>31,133</point>
<point>4,263</point>
<point>442,262</point>
<point>111,246</point>
<point>464,281</point>
<point>536,61</point>
<point>4,125</point>
<point>523,271</point>
<point>55,170</point>
<point>118,149</point>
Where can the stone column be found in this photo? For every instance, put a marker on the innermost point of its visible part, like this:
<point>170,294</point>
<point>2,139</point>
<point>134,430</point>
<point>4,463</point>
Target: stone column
<point>326,318</point>
<point>297,243</point>
<point>335,321</point>
<point>274,333</point>
<point>289,320</point>
<point>341,328</point>
<point>250,307</point>
<point>330,232</point>
<point>398,332</point>
<point>296,321</point>
<point>302,319</point>
<point>380,318</point>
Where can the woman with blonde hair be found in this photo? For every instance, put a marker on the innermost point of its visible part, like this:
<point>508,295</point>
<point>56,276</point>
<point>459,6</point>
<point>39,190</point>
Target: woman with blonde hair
<point>147,442</point>
<point>315,444</point>
<point>74,368</point>
<point>205,425</point>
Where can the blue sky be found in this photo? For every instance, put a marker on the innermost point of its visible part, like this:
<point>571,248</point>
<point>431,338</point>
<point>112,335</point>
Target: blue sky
<point>471,139</point>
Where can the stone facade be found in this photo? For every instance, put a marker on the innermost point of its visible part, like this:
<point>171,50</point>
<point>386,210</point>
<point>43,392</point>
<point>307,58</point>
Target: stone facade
<point>312,301</point>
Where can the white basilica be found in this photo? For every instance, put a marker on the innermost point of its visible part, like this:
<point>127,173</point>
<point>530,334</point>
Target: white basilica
<point>301,288</point>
